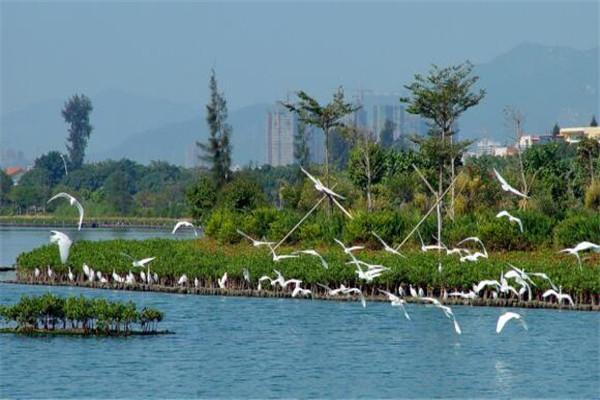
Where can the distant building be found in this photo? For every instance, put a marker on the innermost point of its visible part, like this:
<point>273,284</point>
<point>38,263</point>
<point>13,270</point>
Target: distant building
<point>281,128</point>
<point>192,156</point>
<point>15,173</point>
<point>578,133</point>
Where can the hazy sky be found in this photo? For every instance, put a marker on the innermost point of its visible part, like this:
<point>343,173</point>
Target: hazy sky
<point>261,50</point>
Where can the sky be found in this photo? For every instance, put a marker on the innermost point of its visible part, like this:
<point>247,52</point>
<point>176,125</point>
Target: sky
<point>261,50</point>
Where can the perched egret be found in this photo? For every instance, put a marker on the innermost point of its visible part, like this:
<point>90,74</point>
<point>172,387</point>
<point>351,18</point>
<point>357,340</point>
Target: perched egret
<point>183,280</point>
<point>222,281</point>
<point>70,275</point>
<point>36,272</point>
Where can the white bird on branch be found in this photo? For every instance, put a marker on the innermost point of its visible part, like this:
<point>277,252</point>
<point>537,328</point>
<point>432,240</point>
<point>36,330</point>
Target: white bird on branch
<point>506,187</point>
<point>222,281</point>
<point>179,224</point>
<point>255,243</point>
<point>386,247</point>
<point>72,201</point>
<point>64,244</point>
<point>313,253</point>
<point>507,316</point>
<point>510,218</point>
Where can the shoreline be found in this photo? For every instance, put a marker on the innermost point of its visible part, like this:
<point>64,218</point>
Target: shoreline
<point>81,333</point>
<point>108,222</point>
<point>210,291</point>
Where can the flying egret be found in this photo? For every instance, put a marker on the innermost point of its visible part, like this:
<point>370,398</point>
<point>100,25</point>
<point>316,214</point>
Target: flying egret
<point>313,253</point>
<point>72,201</point>
<point>179,224</point>
<point>64,163</point>
<point>507,316</point>
<point>583,246</point>
<point>446,310</point>
<point>255,243</point>
<point>396,301</point>
<point>559,296</point>
<point>386,247</point>
<point>479,287</point>
<point>139,263</point>
<point>327,192</point>
<point>222,281</point>
<point>476,240</point>
<point>332,292</point>
<point>470,295</point>
<point>367,275</point>
<point>425,248</point>
<point>506,187</point>
<point>299,291</point>
<point>70,275</point>
<point>545,277</point>
<point>348,250</point>
<point>279,257</point>
<point>510,218</point>
<point>355,291</point>
<point>183,280</point>
<point>64,244</point>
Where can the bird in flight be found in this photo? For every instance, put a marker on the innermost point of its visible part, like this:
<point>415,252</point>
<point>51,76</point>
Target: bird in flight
<point>179,224</point>
<point>313,253</point>
<point>386,247</point>
<point>255,243</point>
<point>507,316</point>
<point>72,201</point>
<point>510,218</point>
<point>583,246</point>
<point>507,188</point>
<point>64,244</point>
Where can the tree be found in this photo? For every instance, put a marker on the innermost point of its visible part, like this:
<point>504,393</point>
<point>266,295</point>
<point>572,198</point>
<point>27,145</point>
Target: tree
<point>51,162</point>
<point>386,136</point>
<point>217,152</point>
<point>556,131</point>
<point>301,148</point>
<point>324,117</point>
<point>201,198</point>
<point>117,188</point>
<point>588,156</point>
<point>6,183</point>
<point>441,98</point>
<point>593,122</point>
<point>76,112</point>
<point>367,164</point>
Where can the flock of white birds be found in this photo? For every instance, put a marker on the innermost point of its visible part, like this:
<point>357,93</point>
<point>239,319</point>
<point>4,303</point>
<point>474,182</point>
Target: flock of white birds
<point>366,272</point>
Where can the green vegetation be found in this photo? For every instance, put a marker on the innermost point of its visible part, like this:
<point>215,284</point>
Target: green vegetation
<point>207,260</point>
<point>79,315</point>
<point>77,114</point>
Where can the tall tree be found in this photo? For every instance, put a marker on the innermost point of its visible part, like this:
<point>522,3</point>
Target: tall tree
<point>217,152</point>
<point>556,130</point>
<point>386,136</point>
<point>301,147</point>
<point>441,98</point>
<point>76,112</point>
<point>325,117</point>
<point>593,122</point>
<point>367,163</point>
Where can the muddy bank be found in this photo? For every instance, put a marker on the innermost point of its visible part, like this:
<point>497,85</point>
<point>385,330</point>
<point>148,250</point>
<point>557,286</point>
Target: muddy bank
<point>212,291</point>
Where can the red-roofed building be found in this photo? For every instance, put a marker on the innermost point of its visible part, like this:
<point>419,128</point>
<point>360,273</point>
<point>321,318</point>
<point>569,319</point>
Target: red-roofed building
<point>15,173</point>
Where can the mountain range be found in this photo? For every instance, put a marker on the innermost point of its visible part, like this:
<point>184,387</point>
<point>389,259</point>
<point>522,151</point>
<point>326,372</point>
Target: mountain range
<point>547,84</point>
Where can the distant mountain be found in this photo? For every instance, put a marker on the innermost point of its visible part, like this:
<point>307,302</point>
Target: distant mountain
<point>116,115</point>
<point>547,84</point>
<point>176,142</point>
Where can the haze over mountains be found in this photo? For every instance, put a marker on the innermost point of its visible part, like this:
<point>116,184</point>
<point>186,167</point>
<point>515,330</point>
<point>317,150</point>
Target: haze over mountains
<point>548,84</point>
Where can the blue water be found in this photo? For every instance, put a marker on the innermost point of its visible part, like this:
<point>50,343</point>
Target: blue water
<point>265,348</point>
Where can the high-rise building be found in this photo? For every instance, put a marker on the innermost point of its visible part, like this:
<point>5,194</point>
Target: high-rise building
<point>281,128</point>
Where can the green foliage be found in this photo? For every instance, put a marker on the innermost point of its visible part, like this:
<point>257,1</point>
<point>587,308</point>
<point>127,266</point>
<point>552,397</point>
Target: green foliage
<point>592,197</point>
<point>117,190</point>
<point>6,184</point>
<point>386,136</point>
<point>76,113</point>
<point>217,152</point>
<point>578,228</point>
<point>202,197</point>
<point>52,163</point>
<point>89,315</point>
<point>301,147</point>
<point>242,194</point>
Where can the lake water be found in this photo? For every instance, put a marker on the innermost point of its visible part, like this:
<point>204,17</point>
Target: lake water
<point>273,348</point>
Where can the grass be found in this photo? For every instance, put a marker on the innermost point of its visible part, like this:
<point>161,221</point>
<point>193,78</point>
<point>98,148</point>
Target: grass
<point>208,260</point>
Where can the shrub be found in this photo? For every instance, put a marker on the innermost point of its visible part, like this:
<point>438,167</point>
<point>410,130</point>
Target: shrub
<point>592,197</point>
<point>242,194</point>
<point>222,225</point>
<point>577,228</point>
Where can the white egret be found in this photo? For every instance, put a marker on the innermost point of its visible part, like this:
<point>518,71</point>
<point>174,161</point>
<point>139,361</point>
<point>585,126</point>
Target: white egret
<point>510,218</point>
<point>183,280</point>
<point>49,272</point>
<point>299,291</point>
<point>507,316</point>
<point>396,301</point>
<point>425,248</point>
<point>196,282</point>
<point>421,292</point>
<point>484,283</point>
<point>348,250</point>
<point>222,281</point>
<point>544,276</point>
<point>583,246</point>
<point>70,275</point>
<point>246,274</point>
<point>179,224</point>
<point>327,192</point>
<point>313,253</point>
<point>279,257</point>
<point>506,187</point>
<point>386,247</point>
<point>413,292</point>
<point>255,243</point>
<point>476,240</point>
<point>64,163</point>
<point>139,263</point>
<point>72,201</point>
<point>155,277</point>
<point>143,276</point>
<point>64,244</point>
<point>470,295</point>
<point>559,296</point>
<point>332,292</point>
<point>36,272</point>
